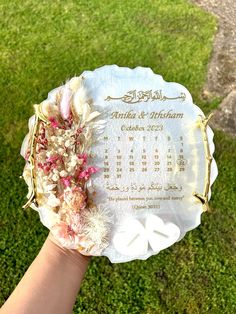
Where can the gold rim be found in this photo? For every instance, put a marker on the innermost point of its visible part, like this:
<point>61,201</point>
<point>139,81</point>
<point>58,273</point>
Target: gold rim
<point>38,118</point>
<point>203,198</point>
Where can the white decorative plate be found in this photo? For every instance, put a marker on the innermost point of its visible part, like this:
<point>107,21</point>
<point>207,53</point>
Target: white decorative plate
<point>120,164</point>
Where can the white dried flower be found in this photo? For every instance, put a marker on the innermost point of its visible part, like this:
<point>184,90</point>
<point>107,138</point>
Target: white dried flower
<point>49,153</point>
<point>63,173</point>
<point>48,187</point>
<point>61,151</point>
<point>73,161</point>
<point>60,140</point>
<point>68,143</point>
<point>97,222</point>
<point>53,201</point>
<point>55,177</point>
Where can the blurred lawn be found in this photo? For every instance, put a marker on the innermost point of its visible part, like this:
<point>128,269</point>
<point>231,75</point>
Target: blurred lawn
<point>45,42</point>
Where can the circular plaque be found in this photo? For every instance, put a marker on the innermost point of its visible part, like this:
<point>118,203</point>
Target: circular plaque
<point>144,163</point>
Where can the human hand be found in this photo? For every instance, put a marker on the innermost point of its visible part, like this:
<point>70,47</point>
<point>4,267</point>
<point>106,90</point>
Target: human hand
<point>74,255</point>
<point>51,283</point>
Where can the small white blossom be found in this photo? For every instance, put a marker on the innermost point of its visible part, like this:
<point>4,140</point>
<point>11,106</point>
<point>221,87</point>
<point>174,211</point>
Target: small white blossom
<point>68,143</point>
<point>55,177</point>
<point>61,151</point>
<point>63,173</point>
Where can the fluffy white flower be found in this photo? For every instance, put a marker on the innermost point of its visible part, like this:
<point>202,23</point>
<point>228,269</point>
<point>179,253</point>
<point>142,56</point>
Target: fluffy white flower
<point>97,222</point>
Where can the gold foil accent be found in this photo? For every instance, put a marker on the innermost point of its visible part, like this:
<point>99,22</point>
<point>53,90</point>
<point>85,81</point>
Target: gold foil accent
<point>39,113</point>
<point>134,96</point>
<point>38,116</point>
<point>203,198</point>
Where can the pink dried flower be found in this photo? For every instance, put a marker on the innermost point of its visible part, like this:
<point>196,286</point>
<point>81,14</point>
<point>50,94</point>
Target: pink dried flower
<point>52,159</point>
<point>79,130</point>
<point>68,232</point>
<point>44,166</point>
<point>84,157</point>
<point>75,198</point>
<point>67,181</point>
<point>54,122</point>
<point>70,120</point>
<point>51,163</point>
<point>41,140</point>
<point>87,172</point>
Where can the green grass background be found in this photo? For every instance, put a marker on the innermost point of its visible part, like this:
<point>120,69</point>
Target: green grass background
<point>43,43</point>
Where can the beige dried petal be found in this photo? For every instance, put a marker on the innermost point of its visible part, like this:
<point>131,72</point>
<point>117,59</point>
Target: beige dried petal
<point>49,109</point>
<point>75,83</point>
<point>27,174</point>
<point>86,112</point>
<point>93,115</point>
<point>54,94</point>
<point>25,145</point>
<point>53,201</point>
<point>31,122</point>
<point>49,187</point>
<point>78,101</point>
<point>27,139</point>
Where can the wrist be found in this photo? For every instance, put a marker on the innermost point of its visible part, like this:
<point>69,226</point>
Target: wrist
<point>55,251</point>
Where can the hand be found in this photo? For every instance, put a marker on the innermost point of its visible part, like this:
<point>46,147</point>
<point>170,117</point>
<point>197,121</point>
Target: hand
<point>74,255</point>
<point>51,283</point>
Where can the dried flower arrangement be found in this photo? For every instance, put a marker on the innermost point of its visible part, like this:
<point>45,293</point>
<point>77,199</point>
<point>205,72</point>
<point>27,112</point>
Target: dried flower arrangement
<point>59,179</point>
